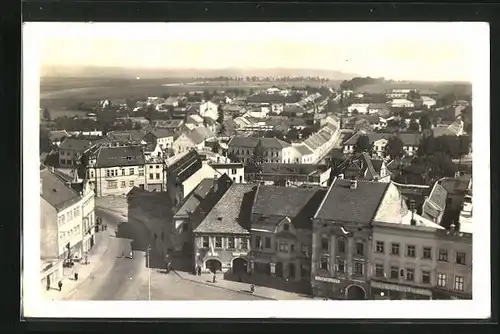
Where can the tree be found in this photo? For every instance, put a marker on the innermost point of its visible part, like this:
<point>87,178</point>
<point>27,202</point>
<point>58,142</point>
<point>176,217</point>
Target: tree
<point>355,112</point>
<point>131,104</point>
<point>413,126</point>
<point>150,111</point>
<point>258,153</point>
<point>220,114</point>
<point>222,129</point>
<point>394,147</point>
<point>45,144</point>
<point>46,114</point>
<point>362,144</point>
<point>425,122</point>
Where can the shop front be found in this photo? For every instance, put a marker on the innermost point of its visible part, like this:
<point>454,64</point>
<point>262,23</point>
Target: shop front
<point>339,288</point>
<point>390,291</point>
<point>443,294</point>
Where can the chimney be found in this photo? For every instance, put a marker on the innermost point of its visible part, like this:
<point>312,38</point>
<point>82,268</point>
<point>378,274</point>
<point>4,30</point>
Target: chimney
<point>354,184</point>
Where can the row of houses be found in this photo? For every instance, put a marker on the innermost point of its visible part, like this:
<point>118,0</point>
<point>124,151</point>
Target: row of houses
<point>353,240</point>
<point>275,150</point>
<point>67,223</point>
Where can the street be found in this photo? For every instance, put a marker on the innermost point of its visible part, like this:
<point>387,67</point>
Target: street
<point>117,278</point>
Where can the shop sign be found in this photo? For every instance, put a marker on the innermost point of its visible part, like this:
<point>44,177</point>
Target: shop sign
<point>327,279</point>
<point>400,288</point>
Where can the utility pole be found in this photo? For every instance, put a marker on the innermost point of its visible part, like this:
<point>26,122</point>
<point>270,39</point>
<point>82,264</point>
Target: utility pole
<point>149,274</point>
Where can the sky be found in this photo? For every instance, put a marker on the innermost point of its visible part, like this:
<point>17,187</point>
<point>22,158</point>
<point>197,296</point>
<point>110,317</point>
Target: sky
<point>400,51</point>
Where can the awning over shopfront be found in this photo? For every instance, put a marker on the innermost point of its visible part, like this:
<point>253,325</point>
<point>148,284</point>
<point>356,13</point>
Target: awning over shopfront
<point>400,288</point>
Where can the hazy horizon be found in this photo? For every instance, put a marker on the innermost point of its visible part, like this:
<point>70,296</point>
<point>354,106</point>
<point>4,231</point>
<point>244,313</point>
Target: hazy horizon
<point>398,51</point>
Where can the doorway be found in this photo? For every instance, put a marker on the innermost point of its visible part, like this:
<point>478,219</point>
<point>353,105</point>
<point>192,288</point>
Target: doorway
<point>279,269</point>
<point>355,292</point>
<point>213,265</point>
<point>291,271</point>
<point>239,265</point>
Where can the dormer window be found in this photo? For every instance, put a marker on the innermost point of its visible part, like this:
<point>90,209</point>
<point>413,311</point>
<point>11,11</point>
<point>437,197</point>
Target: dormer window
<point>286,227</point>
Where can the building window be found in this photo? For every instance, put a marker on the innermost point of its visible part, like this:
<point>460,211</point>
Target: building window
<point>258,242</point>
<point>283,247</point>
<point>112,184</point>
<point>459,283</point>
<point>218,242</point>
<point>131,183</point>
<point>233,171</point>
<point>410,274</point>
<point>460,258</point>
<point>443,255</point>
<point>268,242</point>
<point>244,243</point>
<point>441,280</point>
<point>157,166</point>
<point>157,176</point>
<point>325,245</point>
<point>151,176</point>
<point>394,272</point>
<point>379,247</point>
<point>410,251</point>
<point>341,266</point>
<point>427,253</point>
<point>358,268</point>
<point>230,242</point>
<point>286,227</point>
<point>123,171</point>
<point>324,263</point>
<point>341,245</point>
<point>426,277</point>
<point>206,242</point>
<point>131,171</point>
<point>379,270</point>
<point>123,184</point>
<point>394,249</point>
<point>141,172</point>
<point>108,173</point>
<point>360,248</point>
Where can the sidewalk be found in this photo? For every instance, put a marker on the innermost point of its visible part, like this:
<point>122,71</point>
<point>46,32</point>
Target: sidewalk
<point>263,292</point>
<point>84,270</point>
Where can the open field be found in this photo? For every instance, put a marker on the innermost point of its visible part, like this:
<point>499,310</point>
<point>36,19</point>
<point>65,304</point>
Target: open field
<point>460,88</point>
<point>59,93</point>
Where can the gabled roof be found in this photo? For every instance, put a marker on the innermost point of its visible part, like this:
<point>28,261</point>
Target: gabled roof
<point>232,213</point>
<point>76,144</point>
<point>119,156</point>
<point>200,134</point>
<point>56,192</point>
<point>161,133</point>
<point>196,119</point>
<point>352,205</point>
<point>273,143</point>
<point>303,149</point>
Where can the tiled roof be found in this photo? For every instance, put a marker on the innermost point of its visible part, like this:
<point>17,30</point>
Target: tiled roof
<point>412,139</point>
<point>200,134</point>
<point>303,149</point>
<point>56,192</point>
<point>352,205</point>
<point>76,144</point>
<point>161,132</point>
<point>273,143</point>
<point>119,156</point>
<point>174,123</point>
<point>288,202</point>
<point>232,214</point>
<point>196,119</point>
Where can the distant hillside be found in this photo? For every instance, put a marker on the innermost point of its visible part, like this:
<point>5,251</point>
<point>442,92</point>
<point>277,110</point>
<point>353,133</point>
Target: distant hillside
<point>119,72</point>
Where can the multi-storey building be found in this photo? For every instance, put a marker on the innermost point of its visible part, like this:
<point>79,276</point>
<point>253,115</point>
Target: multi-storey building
<point>67,224</point>
<point>342,236</point>
<point>71,150</point>
<point>155,174</point>
<point>243,148</point>
<point>222,239</point>
<point>116,170</point>
<point>281,231</point>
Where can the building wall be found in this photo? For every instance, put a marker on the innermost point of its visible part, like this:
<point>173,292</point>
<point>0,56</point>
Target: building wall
<point>124,179</point>
<point>242,153</point>
<point>454,245</point>
<point>49,235</point>
<point>291,155</point>
<point>182,144</point>
<point>88,222</point>
<point>67,158</point>
<point>404,237</point>
<point>237,175</point>
<point>155,177</point>
<point>165,142</point>
<point>331,281</point>
<point>70,229</point>
<point>209,109</point>
<point>224,254</point>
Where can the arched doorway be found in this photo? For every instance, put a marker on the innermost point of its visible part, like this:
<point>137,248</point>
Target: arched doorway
<point>239,265</point>
<point>291,271</point>
<point>355,292</point>
<point>213,265</point>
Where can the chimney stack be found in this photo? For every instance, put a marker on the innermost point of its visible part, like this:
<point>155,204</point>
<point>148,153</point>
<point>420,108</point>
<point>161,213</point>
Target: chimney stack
<point>354,184</point>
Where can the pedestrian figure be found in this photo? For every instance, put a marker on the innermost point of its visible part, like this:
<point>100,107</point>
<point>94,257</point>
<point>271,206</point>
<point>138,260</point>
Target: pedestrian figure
<point>86,259</point>
<point>213,279</point>
<point>59,284</point>
<point>199,271</point>
<point>76,276</point>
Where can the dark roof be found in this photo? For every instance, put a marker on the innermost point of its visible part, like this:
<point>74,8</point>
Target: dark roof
<point>273,143</point>
<point>293,169</point>
<point>377,164</point>
<point>298,204</point>
<point>186,166</point>
<point>455,185</point>
<point>173,123</point>
<point>161,132</point>
<point>119,156</point>
<point>56,192</point>
<point>407,138</point>
<point>352,205</point>
<point>195,198</point>
<point>303,149</point>
<point>251,142</point>
<point>228,165</point>
<point>232,213</point>
<point>76,144</point>
<point>268,98</point>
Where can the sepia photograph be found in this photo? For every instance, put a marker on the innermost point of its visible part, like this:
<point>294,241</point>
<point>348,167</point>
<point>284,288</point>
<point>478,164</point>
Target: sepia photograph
<point>217,169</point>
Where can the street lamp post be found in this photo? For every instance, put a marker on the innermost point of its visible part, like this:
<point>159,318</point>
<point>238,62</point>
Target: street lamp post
<point>149,273</point>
